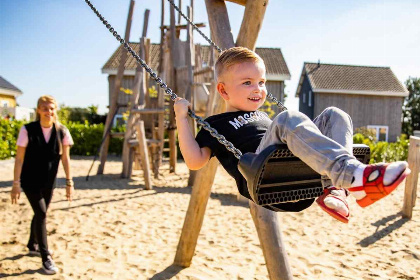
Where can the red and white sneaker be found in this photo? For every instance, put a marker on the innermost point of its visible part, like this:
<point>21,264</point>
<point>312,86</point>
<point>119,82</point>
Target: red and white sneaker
<point>373,186</point>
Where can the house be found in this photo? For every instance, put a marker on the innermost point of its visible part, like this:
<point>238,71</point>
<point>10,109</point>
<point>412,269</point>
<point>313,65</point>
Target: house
<point>277,70</point>
<point>8,104</point>
<point>8,95</point>
<point>372,96</point>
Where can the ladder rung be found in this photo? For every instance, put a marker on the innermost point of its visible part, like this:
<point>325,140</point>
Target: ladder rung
<point>150,142</point>
<point>148,111</point>
<point>117,134</point>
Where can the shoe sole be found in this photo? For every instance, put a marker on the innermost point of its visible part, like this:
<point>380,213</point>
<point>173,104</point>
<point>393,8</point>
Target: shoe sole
<point>49,272</point>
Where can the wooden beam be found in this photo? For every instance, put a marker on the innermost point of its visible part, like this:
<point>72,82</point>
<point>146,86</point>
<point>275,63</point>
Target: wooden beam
<point>271,241</point>
<point>410,193</point>
<point>162,36</point>
<point>190,96</point>
<point>251,23</point>
<point>240,2</point>
<point>220,28</point>
<point>172,124</point>
<point>115,92</point>
<point>144,154</point>
<point>139,91</point>
<point>204,70</point>
<point>181,26</point>
<point>145,23</point>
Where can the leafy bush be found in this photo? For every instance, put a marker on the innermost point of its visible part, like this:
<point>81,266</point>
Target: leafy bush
<point>87,139</point>
<point>9,131</point>
<point>384,151</point>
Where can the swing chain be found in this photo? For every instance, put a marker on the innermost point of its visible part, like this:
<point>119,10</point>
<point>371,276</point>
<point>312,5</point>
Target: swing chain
<point>164,86</point>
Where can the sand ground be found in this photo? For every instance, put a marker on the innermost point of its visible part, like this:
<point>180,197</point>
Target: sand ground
<point>114,229</point>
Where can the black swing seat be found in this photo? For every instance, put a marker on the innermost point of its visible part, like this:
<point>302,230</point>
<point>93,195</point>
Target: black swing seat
<point>280,181</point>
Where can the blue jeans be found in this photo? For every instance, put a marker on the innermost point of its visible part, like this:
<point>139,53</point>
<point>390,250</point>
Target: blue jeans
<point>324,144</point>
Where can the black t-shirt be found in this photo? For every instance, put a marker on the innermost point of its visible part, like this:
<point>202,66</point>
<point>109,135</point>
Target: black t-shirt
<point>244,129</point>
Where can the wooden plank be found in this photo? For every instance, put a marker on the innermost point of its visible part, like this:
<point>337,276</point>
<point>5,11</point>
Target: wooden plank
<point>240,2</point>
<point>162,36</point>
<point>204,70</point>
<point>147,111</point>
<point>144,154</point>
<point>179,14</point>
<point>271,241</point>
<point>195,214</point>
<point>179,27</point>
<point>190,91</point>
<point>115,93</point>
<point>145,23</point>
<point>172,125</point>
<point>411,183</point>
<point>220,28</point>
<point>137,97</point>
<point>251,23</point>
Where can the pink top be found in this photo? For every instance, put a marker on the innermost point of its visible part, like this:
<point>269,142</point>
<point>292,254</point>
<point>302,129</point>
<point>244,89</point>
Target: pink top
<point>22,140</point>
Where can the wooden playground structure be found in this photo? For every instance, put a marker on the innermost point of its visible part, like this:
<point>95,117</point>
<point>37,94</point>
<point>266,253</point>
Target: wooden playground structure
<point>181,67</point>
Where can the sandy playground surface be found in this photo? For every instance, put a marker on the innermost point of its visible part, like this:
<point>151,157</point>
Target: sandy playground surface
<point>114,229</point>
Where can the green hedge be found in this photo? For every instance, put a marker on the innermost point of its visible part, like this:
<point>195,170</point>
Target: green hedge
<point>9,131</point>
<point>384,151</point>
<point>87,138</point>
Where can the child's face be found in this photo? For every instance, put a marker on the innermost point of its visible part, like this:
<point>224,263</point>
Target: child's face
<point>242,86</point>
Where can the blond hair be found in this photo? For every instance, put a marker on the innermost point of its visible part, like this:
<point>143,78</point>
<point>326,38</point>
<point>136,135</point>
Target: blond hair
<point>234,56</point>
<point>50,99</point>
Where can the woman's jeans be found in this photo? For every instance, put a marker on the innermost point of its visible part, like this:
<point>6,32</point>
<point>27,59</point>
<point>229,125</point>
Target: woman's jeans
<point>324,144</point>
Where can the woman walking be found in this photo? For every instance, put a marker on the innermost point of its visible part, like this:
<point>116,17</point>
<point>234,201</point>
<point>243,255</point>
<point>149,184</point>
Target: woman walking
<point>40,146</point>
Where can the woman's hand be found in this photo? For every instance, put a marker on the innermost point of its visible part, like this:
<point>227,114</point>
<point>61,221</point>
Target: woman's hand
<point>69,189</point>
<point>15,193</point>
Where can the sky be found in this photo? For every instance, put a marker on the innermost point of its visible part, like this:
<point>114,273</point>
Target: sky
<point>59,47</point>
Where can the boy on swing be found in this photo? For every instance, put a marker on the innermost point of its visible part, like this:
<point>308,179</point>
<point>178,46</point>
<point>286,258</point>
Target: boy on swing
<point>324,144</point>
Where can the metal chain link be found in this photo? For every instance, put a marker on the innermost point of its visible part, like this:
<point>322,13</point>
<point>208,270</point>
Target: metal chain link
<point>269,95</point>
<point>168,90</point>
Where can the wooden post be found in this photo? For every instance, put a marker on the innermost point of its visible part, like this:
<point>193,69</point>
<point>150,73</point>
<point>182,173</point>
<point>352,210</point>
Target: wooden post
<point>171,130</point>
<point>190,91</point>
<point>144,154</point>
<point>251,23</point>
<point>162,36</point>
<point>114,96</point>
<point>221,31</point>
<point>138,93</point>
<point>265,220</point>
<point>410,193</point>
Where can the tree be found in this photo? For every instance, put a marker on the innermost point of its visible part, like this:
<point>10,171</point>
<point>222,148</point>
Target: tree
<point>411,107</point>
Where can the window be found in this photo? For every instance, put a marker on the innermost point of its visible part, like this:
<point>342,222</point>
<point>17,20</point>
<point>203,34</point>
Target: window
<point>5,104</point>
<point>310,98</point>
<point>381,132</point>
<point>304,97</point>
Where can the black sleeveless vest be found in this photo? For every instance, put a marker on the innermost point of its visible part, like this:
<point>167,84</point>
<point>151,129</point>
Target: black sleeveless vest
<point>41,160</point>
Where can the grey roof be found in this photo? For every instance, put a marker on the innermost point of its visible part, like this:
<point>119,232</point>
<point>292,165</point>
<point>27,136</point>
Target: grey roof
<point>351,78</point>
<point>273,58</point>
<point>7,85</point>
